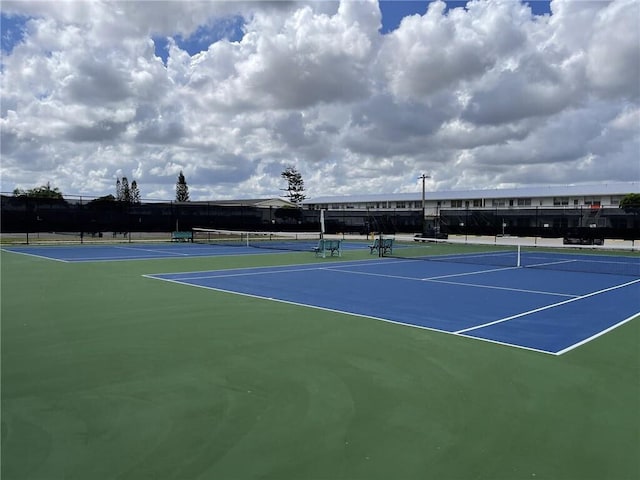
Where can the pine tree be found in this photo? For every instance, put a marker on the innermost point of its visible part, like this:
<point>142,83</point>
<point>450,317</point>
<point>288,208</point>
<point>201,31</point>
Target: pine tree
<point>126,191</point>
<point>295,185</point>
<point>119,196</point>
<point>182,189</point>
<point>135,193</point>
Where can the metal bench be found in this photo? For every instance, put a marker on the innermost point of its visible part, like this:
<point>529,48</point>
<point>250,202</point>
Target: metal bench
<point>386,247</point>
<point>328,246</point>
<point>181,237</point>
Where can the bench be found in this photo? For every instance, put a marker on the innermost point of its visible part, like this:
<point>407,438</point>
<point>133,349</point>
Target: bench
<point>181,237</point>
<point>386,247</point>
<point>326,245</point>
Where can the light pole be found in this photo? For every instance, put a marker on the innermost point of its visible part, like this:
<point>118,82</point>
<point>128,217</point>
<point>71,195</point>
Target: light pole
<point>424,176</point>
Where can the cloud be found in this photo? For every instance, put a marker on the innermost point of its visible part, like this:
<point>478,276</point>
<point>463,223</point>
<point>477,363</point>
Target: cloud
<point>484,96</point>
<point>613,58</point>
<point>299,61</point>
<point>439,50</point>
<point>98,132</point>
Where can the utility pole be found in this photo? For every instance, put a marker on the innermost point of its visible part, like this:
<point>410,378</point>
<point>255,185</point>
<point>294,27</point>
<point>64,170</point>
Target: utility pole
<point>424,176</point>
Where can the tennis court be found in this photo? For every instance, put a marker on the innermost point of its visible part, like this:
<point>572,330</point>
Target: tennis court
<point>211,361</point>
<point>560,301</point>
<point>550,312</point>
<point>150,251</point>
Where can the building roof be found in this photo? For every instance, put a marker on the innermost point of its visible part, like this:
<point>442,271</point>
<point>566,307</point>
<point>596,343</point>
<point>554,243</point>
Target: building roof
<point>620,188</point>
<point>251,202</point>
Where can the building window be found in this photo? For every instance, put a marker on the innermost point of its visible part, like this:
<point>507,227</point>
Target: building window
<point>401,205</point>
<point>456,203</point>
<point>524,202</point>
<point>560,201</point>
<point>498,202</point>
<point>477,203</point>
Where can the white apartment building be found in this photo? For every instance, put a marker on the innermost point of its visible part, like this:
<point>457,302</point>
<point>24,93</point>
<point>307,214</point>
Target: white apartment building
<point>596,196</point>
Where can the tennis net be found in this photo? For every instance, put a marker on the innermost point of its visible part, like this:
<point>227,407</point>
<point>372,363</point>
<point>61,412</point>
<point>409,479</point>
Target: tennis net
<point>507,253</point>
<point>296,241</point>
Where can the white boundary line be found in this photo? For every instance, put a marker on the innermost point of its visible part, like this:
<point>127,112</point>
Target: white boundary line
<point>43,257</point>
<point>361,315</point>
<point>243,274</point>
<point>163,251</point>
<point>205,254</point>
<point>319,266</point>
<point>508,289</point>
<point>464,274</point>
<point>399,277</point>
<point>135,259</point>
<point>599,334</point>
<point>462,284</point>
<point>458,333</point>
<point>547,307</point>
<point>124,259</point>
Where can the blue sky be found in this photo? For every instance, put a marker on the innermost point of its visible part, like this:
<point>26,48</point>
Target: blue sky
<point>12,31</point>
<point>228,28</point>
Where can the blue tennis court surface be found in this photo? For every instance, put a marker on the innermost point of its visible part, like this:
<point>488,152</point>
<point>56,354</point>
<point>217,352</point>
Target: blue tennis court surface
<point>148,251</point>
<point>541,310</point>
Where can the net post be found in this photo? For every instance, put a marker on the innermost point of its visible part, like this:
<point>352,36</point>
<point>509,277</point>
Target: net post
<point>518,261</point>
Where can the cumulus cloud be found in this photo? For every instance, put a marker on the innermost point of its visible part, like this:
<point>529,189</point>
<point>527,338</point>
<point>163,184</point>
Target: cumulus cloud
<point>439,50</point>
<point>483,96</point>
<point>613,65</point>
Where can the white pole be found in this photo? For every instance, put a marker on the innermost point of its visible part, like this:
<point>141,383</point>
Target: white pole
<point>424,176</point>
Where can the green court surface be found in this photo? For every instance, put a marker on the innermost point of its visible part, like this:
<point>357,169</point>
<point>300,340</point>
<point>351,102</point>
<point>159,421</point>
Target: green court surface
<point>108,374</point>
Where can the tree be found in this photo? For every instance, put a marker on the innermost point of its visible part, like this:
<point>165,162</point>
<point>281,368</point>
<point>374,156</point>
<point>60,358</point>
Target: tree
<point>45,191</point>
<point>630,203</point>
<point>126,191</point>
<point>119,196</point>
<point>135,193</point>
<point>182,189</point>
<point>295,185</point>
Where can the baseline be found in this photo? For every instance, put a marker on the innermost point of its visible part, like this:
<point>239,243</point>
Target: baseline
<point>29,254</point>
